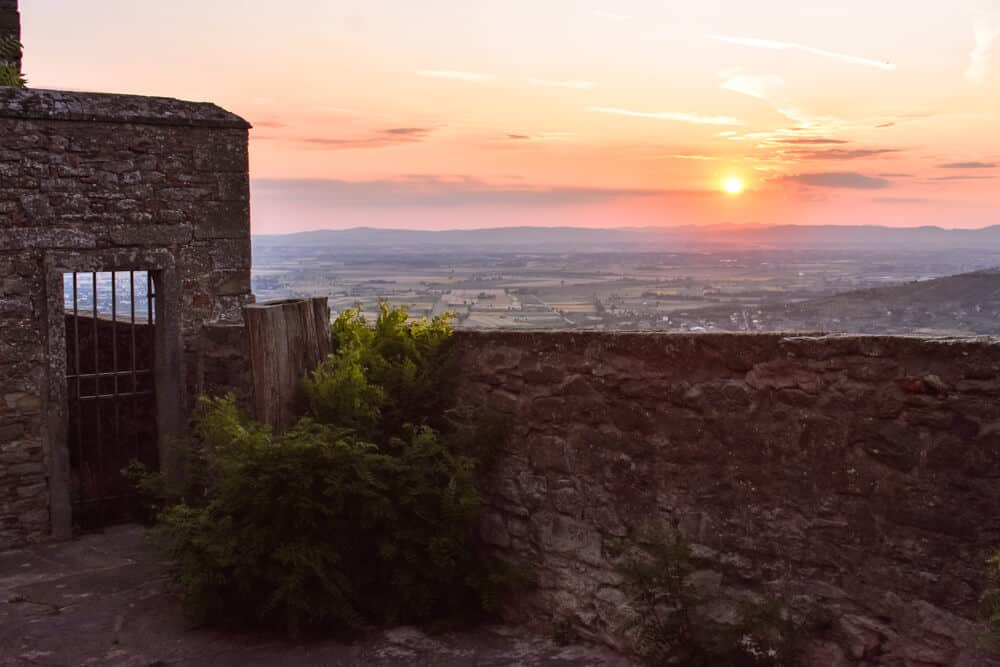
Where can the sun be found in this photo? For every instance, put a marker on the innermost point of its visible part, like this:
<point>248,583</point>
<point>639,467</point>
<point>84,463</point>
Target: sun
<point>733,185</point>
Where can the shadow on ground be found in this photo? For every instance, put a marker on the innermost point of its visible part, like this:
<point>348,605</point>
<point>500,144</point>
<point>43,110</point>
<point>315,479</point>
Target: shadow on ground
<point>102,600</point>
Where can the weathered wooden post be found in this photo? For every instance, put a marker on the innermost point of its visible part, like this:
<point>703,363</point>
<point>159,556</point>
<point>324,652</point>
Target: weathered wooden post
<point>288,338</point>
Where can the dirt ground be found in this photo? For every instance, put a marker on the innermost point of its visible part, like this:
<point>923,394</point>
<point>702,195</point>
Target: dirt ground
<point>103,600</point>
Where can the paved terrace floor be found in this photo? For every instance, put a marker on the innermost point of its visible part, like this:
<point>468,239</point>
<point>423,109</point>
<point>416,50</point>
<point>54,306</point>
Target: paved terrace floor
<point>103,600</point>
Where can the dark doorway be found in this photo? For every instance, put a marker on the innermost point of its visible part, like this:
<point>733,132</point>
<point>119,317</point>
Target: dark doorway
<point>110,386</point>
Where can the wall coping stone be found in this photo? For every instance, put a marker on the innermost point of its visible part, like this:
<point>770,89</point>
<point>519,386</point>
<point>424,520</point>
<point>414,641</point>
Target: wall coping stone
<point>62,105</point>
<point>557,336</point>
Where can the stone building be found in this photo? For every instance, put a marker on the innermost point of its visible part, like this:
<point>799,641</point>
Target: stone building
<point>10,21</point>
<point>157,191</point>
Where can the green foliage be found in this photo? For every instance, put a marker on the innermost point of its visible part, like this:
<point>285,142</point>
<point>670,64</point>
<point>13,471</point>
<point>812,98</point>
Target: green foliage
<point>9,76</point>
<point>380,378</point>
<point>673,631</point>
<point>10,53</point>
<point>367,511</point>
<point>151,488</point>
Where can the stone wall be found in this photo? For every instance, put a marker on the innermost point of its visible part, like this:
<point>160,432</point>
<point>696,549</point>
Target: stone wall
<point>859,474</point>
<point>10,21</point>
<point>101,182</point>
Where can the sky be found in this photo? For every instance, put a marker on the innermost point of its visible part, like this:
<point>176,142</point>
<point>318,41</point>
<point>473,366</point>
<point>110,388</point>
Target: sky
<point>455,114</point>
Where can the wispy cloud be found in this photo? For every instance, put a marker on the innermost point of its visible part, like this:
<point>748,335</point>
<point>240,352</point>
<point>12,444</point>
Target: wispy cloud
<point>900,200</point>
<point>434,192</point>
<point>968,165</point>
<point>518,137</point>
<point>690,156</point>
<point>783,46</point>
<point>678,116</point>
<point>556,136</point>
<point>578,85</point>
<point>768,88</point>
<point>894,174</point>
<point>809,141</point>
<point>986,32</point>
<point>839,179</point>
<point>891,123</point>
<point>601,14</point>
<point>808,121</point>
<point>760,87</point>
<point>392,136</point>
<point>269,124</point>
<point>961,178</point>
<point>454,74</point>
<point>842,153</point>
<point>406,131</point>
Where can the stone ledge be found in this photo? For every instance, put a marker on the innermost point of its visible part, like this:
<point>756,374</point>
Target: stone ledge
<point>61,105</point>
<point>559,337</point>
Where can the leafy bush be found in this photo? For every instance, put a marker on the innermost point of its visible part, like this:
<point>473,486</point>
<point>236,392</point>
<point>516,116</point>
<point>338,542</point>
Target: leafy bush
<point>673,631</point>
<point>367,511</point>
<point>381,378</point>
<point>10,52</point>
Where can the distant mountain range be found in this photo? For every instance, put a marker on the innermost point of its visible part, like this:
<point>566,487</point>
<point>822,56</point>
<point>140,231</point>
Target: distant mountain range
<point>647,239</point>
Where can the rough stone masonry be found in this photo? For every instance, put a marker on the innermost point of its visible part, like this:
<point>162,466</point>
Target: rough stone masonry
<point>856,474</point>
<point>96,182</point>
<point>10,22</point>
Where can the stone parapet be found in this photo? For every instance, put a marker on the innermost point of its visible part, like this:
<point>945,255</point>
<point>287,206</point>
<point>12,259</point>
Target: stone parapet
<point>853,474</point>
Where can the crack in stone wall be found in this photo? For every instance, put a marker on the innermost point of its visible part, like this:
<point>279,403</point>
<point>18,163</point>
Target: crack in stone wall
<point>856,474</point>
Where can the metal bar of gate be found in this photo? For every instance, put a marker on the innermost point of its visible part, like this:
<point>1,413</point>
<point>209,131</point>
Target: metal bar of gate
<point>107,374</point>
<point>114,361</point>
<point>99,464</point>
<point>151,318</point>
<point>76,365</point>
<point>135,388</point>
<point>144,392</point>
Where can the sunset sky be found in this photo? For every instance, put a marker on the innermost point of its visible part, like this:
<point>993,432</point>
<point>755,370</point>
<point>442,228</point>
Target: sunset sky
<point>458,113</point>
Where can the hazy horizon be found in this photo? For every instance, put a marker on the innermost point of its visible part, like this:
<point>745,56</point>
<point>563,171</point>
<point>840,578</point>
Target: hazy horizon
<point>541,225</point>
<point>448,114</point>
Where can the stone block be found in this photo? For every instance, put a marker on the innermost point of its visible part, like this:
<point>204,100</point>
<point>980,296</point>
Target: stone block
<point>12,431</point>
<point>151,235</point>
<point>231,283</point>
<point>569,537</point>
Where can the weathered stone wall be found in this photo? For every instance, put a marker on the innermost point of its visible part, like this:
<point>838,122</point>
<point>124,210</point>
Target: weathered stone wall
<point>10,22</point>
<point>861,474</point>
<point>101,182</point>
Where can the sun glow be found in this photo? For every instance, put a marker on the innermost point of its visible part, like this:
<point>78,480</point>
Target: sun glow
<point>733,185</point>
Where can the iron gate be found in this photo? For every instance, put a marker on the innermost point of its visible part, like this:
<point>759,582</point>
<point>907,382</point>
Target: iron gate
<point>110,384</point>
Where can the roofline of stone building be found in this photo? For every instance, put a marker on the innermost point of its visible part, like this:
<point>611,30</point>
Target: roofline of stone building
<point>64,105</point>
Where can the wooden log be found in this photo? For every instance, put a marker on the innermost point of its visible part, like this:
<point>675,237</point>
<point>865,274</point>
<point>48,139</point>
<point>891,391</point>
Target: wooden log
<point>287,338</point>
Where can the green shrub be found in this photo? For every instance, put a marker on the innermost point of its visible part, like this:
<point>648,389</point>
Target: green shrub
<point>674,631</point>
<point>10,52</point>
<point>381,378</point>
<point>367,511</point>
